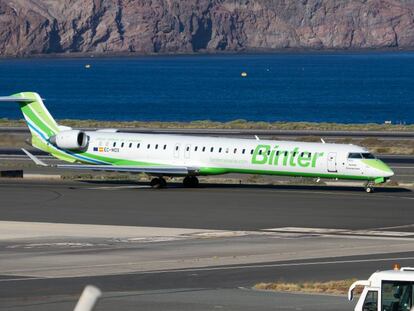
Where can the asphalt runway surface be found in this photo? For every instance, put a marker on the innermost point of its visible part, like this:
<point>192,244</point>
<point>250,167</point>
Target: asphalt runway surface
<point>249,234</point>
<point>227,207</point>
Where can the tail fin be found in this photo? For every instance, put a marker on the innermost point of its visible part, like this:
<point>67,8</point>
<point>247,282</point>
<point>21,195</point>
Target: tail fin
<point>38,119</point>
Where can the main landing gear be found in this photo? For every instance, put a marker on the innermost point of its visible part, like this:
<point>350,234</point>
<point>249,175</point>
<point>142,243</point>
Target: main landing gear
<point>369,187</point>
<point>190,182</point>
<point>158,182</point>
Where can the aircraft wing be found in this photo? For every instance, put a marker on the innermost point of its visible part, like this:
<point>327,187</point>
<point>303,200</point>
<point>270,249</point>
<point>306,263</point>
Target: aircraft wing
<point>151,170</point>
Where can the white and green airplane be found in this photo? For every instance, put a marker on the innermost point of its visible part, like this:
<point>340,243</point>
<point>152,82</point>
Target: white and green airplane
<point>165,155</point>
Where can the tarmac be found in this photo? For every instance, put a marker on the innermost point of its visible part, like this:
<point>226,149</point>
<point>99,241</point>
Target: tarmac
<point>193,249</point>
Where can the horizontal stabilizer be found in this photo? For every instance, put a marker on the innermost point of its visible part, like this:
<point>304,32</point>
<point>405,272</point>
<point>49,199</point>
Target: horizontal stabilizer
<point>13,99</point>
<point>35,159</point>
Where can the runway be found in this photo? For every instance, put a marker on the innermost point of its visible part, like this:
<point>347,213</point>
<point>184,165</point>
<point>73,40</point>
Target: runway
<point>193,249</point>
<point>265,133</point>
<point>227,207</point>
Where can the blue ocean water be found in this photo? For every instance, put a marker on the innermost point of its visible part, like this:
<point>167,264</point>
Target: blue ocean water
<point>321,87</point>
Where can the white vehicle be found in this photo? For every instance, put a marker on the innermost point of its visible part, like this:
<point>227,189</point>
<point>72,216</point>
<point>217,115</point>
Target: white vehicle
<point>163,155</point>
<point>390,290</point>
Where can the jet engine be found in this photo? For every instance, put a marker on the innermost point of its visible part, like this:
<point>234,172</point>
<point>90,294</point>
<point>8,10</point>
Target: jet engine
<point>72,139</point>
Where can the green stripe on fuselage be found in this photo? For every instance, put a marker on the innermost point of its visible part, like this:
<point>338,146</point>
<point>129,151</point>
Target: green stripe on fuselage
<point>219,171</point>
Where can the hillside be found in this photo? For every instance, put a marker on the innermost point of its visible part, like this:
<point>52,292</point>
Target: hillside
<point>172,26</point>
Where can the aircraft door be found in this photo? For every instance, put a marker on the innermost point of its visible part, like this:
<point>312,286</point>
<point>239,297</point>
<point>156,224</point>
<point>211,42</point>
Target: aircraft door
<point>332,162</point>
<point>177,151</point>
<point>187,151</point>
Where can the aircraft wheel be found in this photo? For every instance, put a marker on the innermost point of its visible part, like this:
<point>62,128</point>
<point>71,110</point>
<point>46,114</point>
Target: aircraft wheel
<point>157,183</point>
<point>190,182</point>
<point>369,189</point>
<point>163,182</point>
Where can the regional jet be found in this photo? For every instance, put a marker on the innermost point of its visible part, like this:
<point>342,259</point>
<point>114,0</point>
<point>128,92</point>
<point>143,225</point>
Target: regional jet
<point>166,155</point>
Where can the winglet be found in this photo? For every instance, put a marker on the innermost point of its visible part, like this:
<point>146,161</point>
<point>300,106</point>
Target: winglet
<point>36,160</point>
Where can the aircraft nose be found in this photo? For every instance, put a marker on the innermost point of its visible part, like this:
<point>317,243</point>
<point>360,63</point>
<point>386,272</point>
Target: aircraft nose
<point>387,171</point>
<point>390,173</point>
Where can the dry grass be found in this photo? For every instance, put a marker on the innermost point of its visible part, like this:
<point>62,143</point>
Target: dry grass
<point>236,124</point>
<point>13,140</point>
<point>332,287</point>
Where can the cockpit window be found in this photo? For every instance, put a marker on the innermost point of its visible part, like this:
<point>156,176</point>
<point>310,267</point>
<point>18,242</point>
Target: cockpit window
<point>368,155</point>
<point>353,155</point>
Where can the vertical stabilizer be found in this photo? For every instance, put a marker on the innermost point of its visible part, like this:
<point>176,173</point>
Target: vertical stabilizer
<point>38,119</point>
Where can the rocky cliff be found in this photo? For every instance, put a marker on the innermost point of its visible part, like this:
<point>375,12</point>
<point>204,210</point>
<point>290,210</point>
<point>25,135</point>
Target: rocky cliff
<point>170,26</point>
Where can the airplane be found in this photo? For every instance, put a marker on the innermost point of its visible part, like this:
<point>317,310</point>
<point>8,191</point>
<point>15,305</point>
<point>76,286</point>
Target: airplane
<point>167,155</point>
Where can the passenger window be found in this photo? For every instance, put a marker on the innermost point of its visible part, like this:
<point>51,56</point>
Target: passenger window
<point>371,301</point>
<point>122,145</point>
<point>211,149</point>
<point>354,156</point>
<point>235,150</point>
<point>277,153</point>
<point>165,147</point>
<point>286,153</point>
<point>176,148</point>
<point>260,151</point>
<point>156,146</point>
<point>243,151</point>
<point>130,145</point>
<point>268,152</point>
<point>188,148</point>
<point>219,149</point>
<point>195,148</point>
<point>204,149</point>
<point>148,146</point>
<point>114,145</point>
<point>251,151</point>
<point>138,145</point>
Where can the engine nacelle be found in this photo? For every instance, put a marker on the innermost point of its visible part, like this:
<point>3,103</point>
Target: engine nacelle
<point>73,139</point>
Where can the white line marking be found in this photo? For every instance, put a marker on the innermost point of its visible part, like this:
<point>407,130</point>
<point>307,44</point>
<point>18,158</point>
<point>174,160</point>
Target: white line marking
<point>253,266</point>
<point>341,231</point>
<point>118,187</point>
<point>395,227</point>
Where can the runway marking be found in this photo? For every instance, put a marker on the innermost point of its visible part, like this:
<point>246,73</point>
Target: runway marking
<point>345,232</point>
<point>395,227</point>
<point>118,187</point>
<point>223,268</point>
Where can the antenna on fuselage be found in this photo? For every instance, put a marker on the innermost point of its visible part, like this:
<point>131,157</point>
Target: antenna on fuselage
<point>257,137</point>
<point>323,142</point>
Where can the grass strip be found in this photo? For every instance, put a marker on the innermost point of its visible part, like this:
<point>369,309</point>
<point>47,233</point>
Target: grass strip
<point>235,124</point>
<point>339,287</point>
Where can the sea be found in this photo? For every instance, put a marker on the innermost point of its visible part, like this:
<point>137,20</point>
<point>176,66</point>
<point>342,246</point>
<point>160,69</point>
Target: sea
<point>349,87</point>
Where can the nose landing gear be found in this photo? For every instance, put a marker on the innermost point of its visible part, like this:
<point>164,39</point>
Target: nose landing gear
<point>369,187</point>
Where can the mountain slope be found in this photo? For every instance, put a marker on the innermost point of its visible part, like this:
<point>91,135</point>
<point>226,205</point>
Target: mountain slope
<point>173,26</point>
